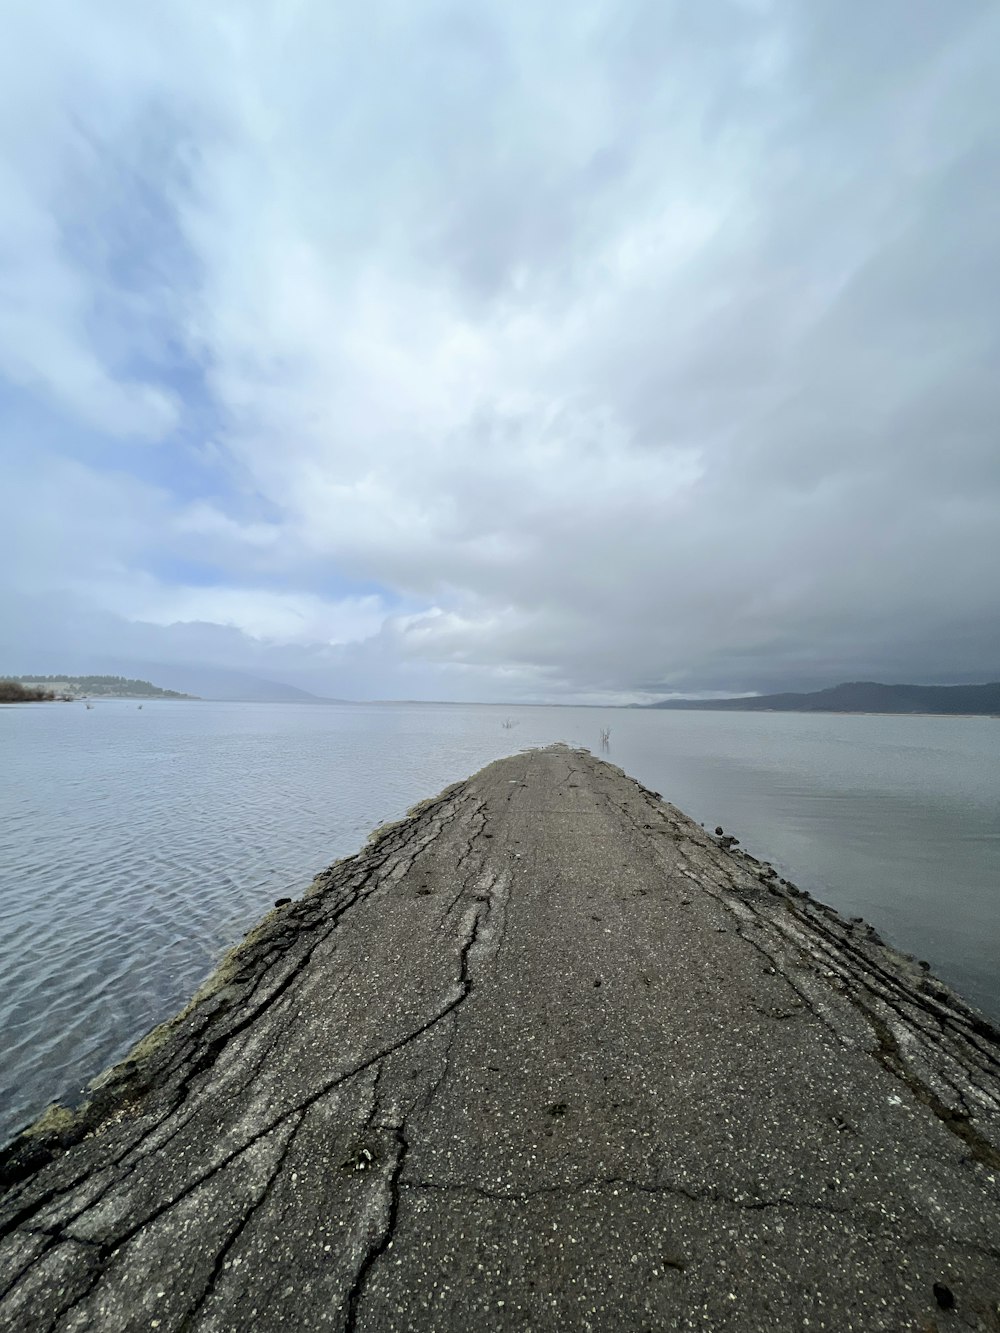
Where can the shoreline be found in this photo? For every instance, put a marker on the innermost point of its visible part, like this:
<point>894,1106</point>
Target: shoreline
<point>552,882</point>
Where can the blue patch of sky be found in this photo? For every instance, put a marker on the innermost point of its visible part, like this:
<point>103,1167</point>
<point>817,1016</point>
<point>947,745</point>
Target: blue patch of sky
<point>34,424</point>
<point>120,223</point>
<point>175,571</point>
<point>318,580</point>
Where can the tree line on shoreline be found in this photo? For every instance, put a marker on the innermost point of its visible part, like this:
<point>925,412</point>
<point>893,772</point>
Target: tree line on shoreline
<point>13,692</point>
<point>35,689</point>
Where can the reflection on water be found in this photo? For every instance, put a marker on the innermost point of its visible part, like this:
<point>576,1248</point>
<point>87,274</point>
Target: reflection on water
<point>135,845</point>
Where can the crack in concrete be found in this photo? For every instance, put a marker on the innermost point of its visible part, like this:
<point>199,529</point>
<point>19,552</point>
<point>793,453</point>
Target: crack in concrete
<point>259,963</point>
<point>382,1240</point>
<point>464,981</point>
<point>890,1056</point>
<point>232,1240</point>
<point>863,975</point>
<point>264,988</point>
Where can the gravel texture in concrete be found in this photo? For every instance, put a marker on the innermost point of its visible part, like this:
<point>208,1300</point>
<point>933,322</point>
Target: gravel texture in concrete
<point>544,1055</point>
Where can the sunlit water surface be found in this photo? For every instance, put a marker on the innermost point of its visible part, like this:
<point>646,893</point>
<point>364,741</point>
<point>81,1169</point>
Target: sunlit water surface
<point>136,844</point>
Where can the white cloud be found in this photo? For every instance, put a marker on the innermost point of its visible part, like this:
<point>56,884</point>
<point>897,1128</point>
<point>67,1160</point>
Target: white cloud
<point>53,155</point>
<point>204,520</point>
<point>643,344</point>
<point>286,618</point>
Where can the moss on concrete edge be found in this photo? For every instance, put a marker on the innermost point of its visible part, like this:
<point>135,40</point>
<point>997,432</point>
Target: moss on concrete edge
<point>58,1125</point>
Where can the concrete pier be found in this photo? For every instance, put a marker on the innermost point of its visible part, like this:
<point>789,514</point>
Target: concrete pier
<point>545,1055</point>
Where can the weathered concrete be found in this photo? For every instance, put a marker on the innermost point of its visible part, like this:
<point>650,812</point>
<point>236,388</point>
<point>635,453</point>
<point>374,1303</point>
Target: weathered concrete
<point>542,1056</point>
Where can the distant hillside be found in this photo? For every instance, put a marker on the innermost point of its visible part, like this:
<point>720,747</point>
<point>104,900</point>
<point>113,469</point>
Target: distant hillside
<point>188,680</point>
<point>862,696</point>
<point>223,684</point>
<point>97,687</point>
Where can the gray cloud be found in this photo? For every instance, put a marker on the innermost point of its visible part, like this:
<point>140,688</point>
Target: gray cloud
<point>635,348</point>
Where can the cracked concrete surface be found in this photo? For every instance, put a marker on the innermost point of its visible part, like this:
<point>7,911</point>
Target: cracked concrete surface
<point>542,1055</point>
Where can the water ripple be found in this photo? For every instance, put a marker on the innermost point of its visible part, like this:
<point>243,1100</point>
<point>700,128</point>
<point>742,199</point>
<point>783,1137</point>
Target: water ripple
<point>135,846</point>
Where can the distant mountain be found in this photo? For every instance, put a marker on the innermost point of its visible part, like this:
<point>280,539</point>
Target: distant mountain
<point>220,683</point>
<point>106,687</point>
<point>861,696</point>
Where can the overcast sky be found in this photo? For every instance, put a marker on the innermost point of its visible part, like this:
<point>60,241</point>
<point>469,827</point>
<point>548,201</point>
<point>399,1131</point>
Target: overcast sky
<point>502,350</point>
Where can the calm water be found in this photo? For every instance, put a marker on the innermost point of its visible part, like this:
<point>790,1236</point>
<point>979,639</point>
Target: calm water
<point>137,844</point>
